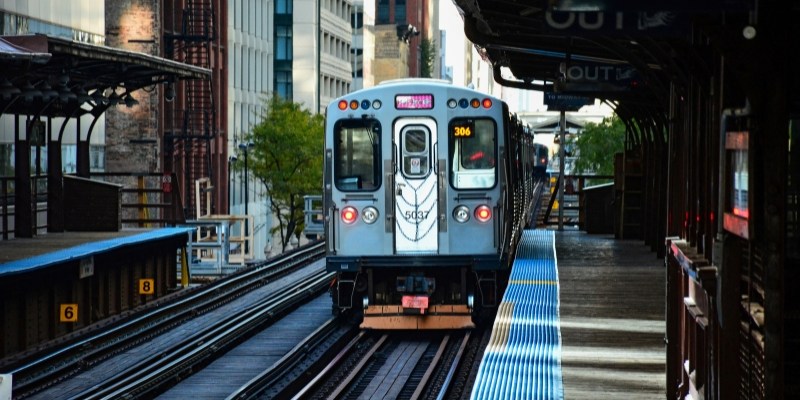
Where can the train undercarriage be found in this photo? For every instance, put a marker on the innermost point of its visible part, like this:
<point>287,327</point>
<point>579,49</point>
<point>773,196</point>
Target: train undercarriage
<point>419,297</point>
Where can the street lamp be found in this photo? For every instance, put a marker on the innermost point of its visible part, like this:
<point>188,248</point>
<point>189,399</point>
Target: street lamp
<point>231,178</point>
<point>245,148</point>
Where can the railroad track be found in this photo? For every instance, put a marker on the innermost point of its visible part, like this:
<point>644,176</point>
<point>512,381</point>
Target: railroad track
<point>36,372</point>
<point>151,374</point>
<point>401,365</point>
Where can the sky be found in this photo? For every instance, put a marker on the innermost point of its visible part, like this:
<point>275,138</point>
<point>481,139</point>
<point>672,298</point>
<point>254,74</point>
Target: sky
<point>450,20</point>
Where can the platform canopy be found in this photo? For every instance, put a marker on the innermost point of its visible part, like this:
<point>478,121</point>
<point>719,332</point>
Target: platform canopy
<point>620,51</point>
<point>52,76</point>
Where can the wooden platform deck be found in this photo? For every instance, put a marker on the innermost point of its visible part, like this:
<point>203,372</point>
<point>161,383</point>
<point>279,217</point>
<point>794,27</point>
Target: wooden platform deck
<point>612,318</point>
<point>21,248</point>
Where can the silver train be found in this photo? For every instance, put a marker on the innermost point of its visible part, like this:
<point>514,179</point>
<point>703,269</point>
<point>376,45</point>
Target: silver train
<point>427,187</point>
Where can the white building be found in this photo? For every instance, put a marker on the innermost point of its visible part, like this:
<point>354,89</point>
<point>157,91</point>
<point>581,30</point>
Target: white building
<point>297,49</point>
<point>250,44</point>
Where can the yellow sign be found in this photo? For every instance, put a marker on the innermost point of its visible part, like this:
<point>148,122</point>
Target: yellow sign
<point>68,313</point>
<point>147,286</point>
<point>462,129</point>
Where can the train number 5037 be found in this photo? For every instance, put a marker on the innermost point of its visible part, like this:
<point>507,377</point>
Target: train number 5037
<point>417,215</point>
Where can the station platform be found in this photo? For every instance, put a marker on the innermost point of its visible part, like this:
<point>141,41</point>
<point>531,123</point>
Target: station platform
<point>583,317</point>
<point>52,286</point>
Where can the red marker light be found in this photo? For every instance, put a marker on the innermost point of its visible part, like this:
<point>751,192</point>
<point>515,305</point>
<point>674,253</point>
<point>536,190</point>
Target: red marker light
<point>487,103</point>
<point>342,104</point>
<point>349,215</point>
<point>483,213</point>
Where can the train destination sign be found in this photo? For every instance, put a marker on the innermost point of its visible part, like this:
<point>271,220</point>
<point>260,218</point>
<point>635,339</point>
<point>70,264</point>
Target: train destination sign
<point>413,101</point>
<point>462,129</point>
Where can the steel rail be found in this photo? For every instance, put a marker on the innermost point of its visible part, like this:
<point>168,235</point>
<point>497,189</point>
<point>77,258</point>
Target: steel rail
<point>150,374</point>
<point>277,371</point>
<point>33,372</point>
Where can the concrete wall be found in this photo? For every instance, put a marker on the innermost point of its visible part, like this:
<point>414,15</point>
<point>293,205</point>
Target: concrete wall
<point>391,54</point>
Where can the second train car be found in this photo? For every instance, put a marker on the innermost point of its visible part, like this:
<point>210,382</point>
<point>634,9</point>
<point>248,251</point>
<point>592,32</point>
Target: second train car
<point>427,187</point>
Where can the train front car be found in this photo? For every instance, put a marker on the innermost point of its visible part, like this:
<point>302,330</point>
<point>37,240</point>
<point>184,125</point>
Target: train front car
<point>414,202</point>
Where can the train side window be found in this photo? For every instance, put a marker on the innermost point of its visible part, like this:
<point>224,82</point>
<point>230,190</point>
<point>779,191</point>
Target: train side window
<point>473,146</point>
<point>357,154</point>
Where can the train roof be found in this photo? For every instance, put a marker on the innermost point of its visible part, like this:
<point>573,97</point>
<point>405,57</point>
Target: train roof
<point>429,82</point>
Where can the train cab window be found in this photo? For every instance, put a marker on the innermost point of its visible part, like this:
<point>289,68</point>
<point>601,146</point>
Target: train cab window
<point>357,154</point>
<point>415,148</point>
<point>473,146</point>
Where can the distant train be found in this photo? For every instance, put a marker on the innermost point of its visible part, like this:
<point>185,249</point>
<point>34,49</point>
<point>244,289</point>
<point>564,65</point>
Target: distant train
<point>541,158</point>
<point>427,187</point>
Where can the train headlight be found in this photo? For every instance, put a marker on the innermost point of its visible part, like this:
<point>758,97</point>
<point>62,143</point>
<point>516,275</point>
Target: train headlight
<point>483,213</point>
<point>369,214</point>
<point>376,104</point>
<point>349,215</point>
<point>452,103</point>
<point>461,214</point>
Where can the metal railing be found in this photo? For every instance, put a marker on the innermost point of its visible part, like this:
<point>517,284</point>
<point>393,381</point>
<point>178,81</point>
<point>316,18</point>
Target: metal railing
<point>573,197</point>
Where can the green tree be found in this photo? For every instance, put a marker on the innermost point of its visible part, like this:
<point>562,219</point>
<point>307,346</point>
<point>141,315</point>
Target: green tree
<point>287,159</point>
<point>427,52</point>
<point>596,145</point>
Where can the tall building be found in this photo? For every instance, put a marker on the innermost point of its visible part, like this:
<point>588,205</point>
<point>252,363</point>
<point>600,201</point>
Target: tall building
<point>362,51</point>
<point>251,33</point>
<point>321,37</point>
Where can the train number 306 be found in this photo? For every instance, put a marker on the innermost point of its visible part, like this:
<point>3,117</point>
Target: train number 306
<point>417,215</point>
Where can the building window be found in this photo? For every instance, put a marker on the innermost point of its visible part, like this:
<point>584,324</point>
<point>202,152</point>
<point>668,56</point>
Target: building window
<point>357,20</point>
<point>97,158</point>
<point>283,6</point>
<point>400,11</point>
<point>383,13</point>
<point>283,42</point>
<point>283,84</point>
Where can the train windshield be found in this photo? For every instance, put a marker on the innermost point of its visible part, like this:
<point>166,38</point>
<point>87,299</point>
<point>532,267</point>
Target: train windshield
<point>357,153</point>
<point>473,144</point>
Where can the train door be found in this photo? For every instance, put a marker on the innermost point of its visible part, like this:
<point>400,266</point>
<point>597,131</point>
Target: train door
<point>415,186</point>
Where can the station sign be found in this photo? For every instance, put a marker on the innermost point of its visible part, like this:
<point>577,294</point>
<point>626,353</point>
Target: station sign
<point>651,5</point>
<point>68,312</point>
<point>565,102</point>
<point>86,268</point>
<point>594,77</point>
<point>147,286</point>
<point>618,23</point>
